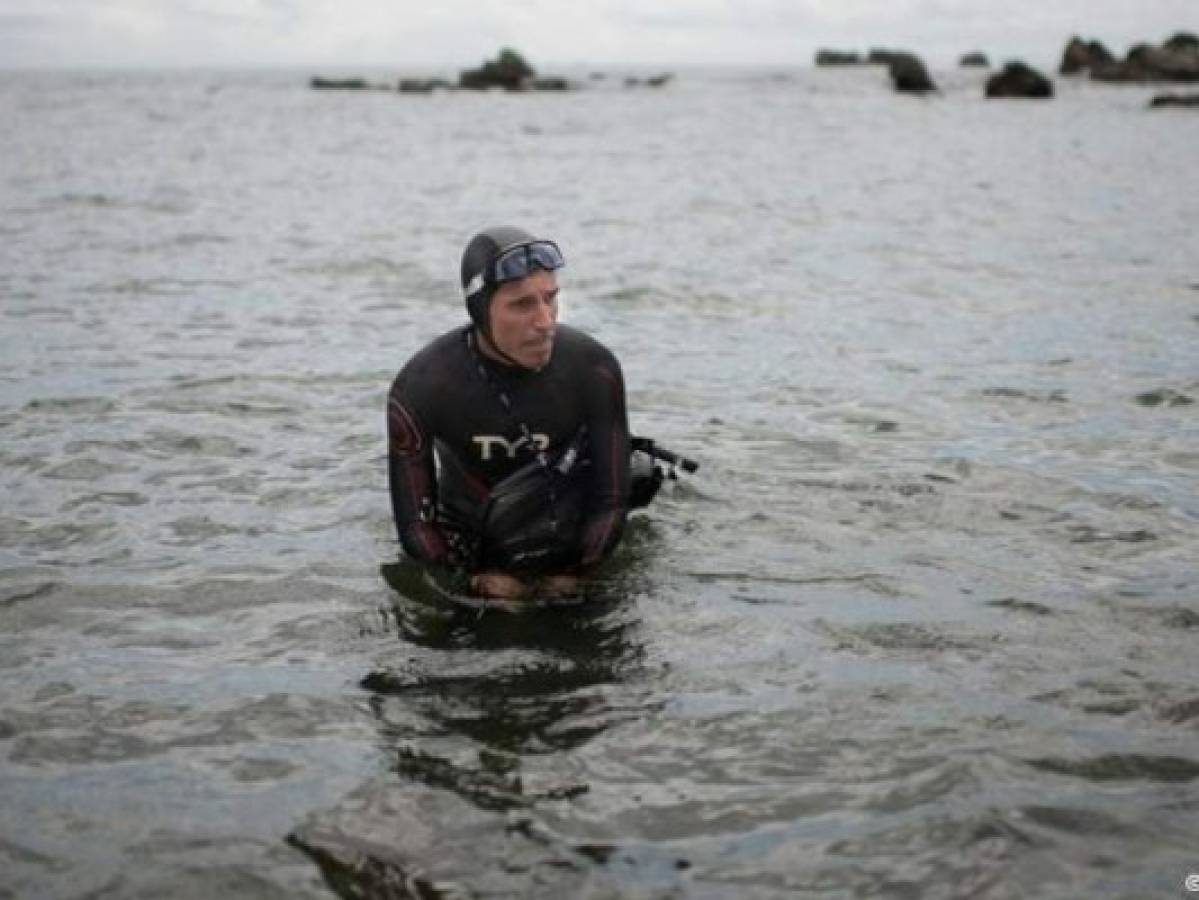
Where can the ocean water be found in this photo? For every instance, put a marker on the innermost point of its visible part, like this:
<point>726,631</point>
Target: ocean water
<point>923,624</point>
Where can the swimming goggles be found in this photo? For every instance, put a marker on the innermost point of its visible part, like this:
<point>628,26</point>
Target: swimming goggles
<point>517,262</point>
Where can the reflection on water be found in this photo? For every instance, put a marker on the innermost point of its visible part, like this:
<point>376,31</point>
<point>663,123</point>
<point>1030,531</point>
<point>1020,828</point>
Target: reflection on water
<point>479,699</point>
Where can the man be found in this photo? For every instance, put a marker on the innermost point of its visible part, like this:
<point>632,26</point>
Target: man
<point>508,438</point>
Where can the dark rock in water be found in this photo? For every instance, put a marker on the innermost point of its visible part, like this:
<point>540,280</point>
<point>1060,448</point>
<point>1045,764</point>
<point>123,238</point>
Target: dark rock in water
<point>508,71</point>
<point>423,85</point>
<point>977,60</point>
<point>653,81</point>
<point>1175,60</point>
<point>880,56</point>
<point>1174,100</point>
<point>1020,81</point>
<point>909,74</point>
<point>838,58</point>
<point>339,84</point>
<point>1183,42</point>
<point>1164,397</point>
<point>1080,56</point>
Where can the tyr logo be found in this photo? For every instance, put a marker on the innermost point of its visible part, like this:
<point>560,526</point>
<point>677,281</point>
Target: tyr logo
<point>489,442</point>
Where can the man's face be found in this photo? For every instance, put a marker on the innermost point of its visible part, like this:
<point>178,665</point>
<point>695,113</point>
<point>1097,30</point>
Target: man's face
<point>523,315</point>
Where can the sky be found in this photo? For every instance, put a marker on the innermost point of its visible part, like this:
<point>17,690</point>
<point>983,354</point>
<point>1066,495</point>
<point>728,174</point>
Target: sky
<point>445,35</point>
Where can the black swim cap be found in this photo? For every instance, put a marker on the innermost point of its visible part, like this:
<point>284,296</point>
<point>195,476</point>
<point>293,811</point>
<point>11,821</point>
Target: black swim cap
<point>480,252</point>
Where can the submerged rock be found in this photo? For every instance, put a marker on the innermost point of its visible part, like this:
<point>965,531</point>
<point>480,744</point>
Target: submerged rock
<point>976,59</point>
<point>340,84</point>
<point>1174,100</point>
<point>910,75</point>
<point>880,56</point>
<point>423,85</point>
<point>1019,81</point>
<point>654,81</point>
<point>827,57</point>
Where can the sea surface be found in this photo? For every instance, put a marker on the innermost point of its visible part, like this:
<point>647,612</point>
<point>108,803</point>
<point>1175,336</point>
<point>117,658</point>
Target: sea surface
<point>923,625</point>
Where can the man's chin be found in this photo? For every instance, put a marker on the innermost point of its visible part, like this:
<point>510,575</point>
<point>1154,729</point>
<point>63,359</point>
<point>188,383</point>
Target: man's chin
<point>538,355</point>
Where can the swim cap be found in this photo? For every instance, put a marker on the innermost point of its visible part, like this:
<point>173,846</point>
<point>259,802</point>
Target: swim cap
<point>479,254</point>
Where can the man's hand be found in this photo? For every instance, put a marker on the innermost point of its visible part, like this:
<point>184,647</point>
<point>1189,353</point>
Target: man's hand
<point>498,586</point>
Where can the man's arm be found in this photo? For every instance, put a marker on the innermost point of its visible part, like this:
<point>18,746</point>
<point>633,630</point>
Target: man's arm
<point>413,482</point>
<point>608,426</point>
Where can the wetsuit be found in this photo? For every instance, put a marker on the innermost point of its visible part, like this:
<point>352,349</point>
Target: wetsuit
<point>449,398</point>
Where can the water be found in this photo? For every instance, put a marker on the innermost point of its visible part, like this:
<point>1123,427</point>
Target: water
<point>922,626</point>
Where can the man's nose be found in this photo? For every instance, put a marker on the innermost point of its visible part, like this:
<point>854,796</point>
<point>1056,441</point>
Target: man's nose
<point>545,314</point>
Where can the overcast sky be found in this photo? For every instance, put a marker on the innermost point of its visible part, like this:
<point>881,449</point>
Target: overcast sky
<point>447,34</point>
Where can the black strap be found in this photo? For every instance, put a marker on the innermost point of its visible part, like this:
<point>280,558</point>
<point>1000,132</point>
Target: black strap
<point>535,451</point>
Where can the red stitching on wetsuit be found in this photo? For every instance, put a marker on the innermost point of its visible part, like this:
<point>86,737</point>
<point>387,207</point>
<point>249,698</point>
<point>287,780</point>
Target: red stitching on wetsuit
<point>406,437</point>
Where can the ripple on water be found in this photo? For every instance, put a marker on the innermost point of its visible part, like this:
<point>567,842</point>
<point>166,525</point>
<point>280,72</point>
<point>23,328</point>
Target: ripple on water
<point>72,405</point>
<point>913,637</point>
<point>1122,767</point>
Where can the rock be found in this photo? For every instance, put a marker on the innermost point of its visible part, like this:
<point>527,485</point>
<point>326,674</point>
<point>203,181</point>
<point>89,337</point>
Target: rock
<point>1162,100</point>
<point>653,81</point>
<point>975,60</point>
<point>1182,43</point>
<point>838,58</point>
<point>909,74</point>
<point>1165,64</point>
<point>508,71</point>
<point>339,84</point>
<point>1175,60</point>
<point>1018,80</point>
<point>879,56</point>
<point>1080,56</point>
<point>423,85</point>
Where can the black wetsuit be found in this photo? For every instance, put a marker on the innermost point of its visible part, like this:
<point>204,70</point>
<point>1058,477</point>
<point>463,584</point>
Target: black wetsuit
<point>449,394</point>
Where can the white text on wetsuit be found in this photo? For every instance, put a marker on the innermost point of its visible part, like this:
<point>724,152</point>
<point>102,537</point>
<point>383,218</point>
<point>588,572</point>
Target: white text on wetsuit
<point>487,442</point>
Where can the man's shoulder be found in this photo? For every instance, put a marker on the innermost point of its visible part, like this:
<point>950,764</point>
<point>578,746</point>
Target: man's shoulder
<point>581,344</point>
<point>441,349</point>
<point>433,360</point>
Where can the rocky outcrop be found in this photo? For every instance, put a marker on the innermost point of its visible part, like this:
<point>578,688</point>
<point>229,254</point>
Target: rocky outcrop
<point>909,74</point>
<point>1177,59</point>
<point>1019,81</point>
<point>507,71</point>
<point>975,60</point>
<point>1081,56</point>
